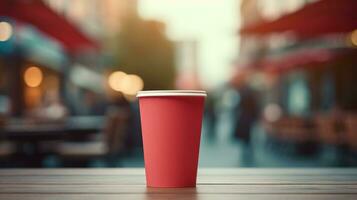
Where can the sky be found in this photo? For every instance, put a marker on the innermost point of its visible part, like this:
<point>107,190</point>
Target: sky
<point>212,23</point>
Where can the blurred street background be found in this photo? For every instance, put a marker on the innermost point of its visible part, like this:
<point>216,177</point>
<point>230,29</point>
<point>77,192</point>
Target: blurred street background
<point>280,78</point>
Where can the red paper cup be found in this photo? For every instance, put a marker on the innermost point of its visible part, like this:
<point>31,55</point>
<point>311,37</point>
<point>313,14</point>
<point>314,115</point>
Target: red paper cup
<point>171,128</point>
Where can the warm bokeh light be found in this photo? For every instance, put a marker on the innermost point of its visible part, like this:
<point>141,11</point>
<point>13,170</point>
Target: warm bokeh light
<point>128,84</point>
<point>354,37</point>
<point>115,80</point>
<point>5,31</point>
<point>33,76</point>
<point>132,84</point>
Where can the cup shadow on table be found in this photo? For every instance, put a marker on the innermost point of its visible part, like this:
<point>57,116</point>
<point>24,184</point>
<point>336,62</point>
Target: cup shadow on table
<point>171,193</point>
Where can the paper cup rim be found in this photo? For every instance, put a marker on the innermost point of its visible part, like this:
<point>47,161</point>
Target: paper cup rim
<point>157,93</point>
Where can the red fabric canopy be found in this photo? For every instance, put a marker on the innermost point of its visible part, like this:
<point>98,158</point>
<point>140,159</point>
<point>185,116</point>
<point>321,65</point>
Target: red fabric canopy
<point>36,13</point>
<point>315,19</point>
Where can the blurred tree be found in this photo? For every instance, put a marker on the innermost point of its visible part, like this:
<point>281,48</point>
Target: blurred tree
<point>145,50</point>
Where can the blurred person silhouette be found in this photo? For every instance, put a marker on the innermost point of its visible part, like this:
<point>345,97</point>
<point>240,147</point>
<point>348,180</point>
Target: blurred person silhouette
<point>117,128</point>
<point>246,114</point>
<point>246,109</point>
<point>210,118</point>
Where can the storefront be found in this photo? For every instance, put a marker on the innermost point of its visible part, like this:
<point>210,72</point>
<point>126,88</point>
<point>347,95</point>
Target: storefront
<point>313,65</point>
<point>36,56</point>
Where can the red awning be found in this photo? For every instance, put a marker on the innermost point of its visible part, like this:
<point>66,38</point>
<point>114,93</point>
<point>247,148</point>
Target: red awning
<point>315,19</point>
<point>36,13</point>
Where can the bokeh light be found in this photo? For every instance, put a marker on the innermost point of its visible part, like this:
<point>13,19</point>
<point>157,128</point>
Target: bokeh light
<point>354,37</point>
<point>33,76</point>
<point>5,31</point>
<point>132,84</point>
<point>128,84</point>
<point>115,80</point>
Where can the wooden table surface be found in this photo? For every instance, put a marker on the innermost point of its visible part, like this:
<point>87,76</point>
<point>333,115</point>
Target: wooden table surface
<point>129,183</point>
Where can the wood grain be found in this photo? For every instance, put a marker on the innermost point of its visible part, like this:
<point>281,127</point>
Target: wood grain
<point>212,184</point>
<point>174,197</point>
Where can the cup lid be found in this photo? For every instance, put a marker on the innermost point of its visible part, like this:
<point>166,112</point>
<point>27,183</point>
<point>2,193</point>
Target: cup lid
<point>151,93</point>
